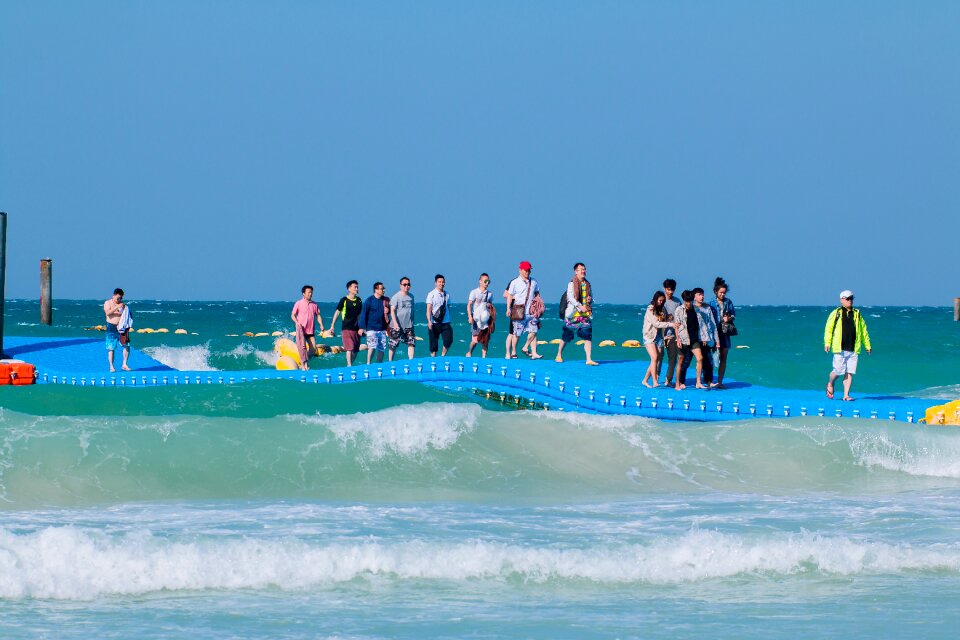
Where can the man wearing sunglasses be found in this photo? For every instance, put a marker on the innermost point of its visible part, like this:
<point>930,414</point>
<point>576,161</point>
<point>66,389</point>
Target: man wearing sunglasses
<point>401,320</point>
<point>845,334</point>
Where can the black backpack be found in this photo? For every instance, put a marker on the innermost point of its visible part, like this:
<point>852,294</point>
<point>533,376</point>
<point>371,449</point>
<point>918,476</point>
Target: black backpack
<point>563,305</point>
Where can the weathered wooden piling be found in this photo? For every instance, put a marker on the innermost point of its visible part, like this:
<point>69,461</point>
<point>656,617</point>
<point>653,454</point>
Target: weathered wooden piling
<point>46,291</point>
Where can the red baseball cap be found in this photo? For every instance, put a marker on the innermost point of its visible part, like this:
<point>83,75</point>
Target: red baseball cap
<point>526,266</point>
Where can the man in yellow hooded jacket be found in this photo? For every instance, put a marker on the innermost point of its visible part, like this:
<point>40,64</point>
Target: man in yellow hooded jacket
<point>845,334</point>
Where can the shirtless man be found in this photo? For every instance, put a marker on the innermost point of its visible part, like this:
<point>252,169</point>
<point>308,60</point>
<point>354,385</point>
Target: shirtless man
<point>113,310</point>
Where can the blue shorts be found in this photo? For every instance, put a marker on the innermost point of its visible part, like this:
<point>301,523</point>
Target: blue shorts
<point>528,324</point>
<point>376,340</point>
<point>582,329</point>
<point>113,338</point>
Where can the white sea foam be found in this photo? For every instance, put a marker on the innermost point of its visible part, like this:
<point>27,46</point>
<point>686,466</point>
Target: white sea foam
<point>923,455</point>
<point>405,430</point>
<point>77,564</point>
<point>192,358</point>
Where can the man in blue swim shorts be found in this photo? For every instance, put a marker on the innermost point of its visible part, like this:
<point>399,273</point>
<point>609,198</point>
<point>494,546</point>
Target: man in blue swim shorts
<point>113,309</point>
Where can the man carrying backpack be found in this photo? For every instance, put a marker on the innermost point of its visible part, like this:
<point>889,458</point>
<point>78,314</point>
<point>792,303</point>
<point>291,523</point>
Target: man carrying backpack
<point>845,333</point>
<point>578,313</point>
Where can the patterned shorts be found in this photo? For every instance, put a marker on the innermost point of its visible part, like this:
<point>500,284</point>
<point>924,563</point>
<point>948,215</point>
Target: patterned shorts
<point>376,340</point>
<point>402,335</point>
<point>528,324</point>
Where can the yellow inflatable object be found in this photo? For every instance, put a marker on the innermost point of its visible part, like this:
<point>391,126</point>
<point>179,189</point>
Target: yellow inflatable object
<point>742,346</point>
<point>631,344</point>
<point>145,330</point>
<point>608,343</point>
<point>556,341</point>
<point>417,338</point>
<point>944,414</point>
<point>579,342</point>
<point>261,334</point>
<point>287,349</point>
<point>541,342</point>
<point>248,334</point>
<point>163,330</point>
<point>182,332</point>
<point>277,334</point>
<point>286,363</point>
<point>322,349</point>
<point>336,349</point>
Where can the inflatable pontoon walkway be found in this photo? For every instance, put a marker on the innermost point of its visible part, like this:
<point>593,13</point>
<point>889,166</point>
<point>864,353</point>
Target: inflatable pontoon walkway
<point>611,388</point>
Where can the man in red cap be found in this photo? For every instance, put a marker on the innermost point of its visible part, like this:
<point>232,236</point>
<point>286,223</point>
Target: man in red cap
<point>520,293</point>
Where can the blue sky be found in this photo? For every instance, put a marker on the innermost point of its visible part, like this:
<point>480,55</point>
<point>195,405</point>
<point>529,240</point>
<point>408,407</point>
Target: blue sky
<point>237,150</point>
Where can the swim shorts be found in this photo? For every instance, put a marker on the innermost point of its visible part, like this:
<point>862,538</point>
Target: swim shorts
<point>844,362</point>
<point>582,329</point>
<point>402,335</point>
<point>528,324</point>
<point>113,338</point>
<point>376,340</point>
<point>351,340</point>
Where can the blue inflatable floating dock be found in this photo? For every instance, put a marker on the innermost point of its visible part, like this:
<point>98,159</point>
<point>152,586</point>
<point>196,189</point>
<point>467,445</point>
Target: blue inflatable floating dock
<point>611,388</point>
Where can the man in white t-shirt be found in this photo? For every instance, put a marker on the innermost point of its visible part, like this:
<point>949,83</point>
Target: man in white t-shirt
<point>520,293</point>
<point>438,317</point>
<point>480,316</point>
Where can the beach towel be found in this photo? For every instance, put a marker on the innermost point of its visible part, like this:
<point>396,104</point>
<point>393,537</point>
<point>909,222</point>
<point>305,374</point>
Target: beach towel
<point>302,345</point>
<point>126,320</point>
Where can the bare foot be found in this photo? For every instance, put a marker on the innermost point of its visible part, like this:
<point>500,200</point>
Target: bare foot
<point>125,368</point>
<point>656,384</point>
<point>592,363</point>
<point>112,370</point>
<point>700,386</point>
<point>680,387</point>
<point>830,391</point>
<point>558,359</point>
<point>646,384</point>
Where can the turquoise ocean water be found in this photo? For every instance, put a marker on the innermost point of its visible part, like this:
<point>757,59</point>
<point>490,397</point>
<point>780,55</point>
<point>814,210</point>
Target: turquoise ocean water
<point>395,510</point>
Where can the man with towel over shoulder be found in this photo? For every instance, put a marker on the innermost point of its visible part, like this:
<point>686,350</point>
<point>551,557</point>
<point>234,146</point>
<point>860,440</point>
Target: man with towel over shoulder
<point>119,324</point>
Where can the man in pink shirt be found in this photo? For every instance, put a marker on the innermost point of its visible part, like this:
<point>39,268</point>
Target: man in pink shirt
<point>305,311</point>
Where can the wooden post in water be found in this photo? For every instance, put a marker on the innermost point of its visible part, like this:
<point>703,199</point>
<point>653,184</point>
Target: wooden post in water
<point>46,291</point>
<point>956,309</point>
<point>3,271</point>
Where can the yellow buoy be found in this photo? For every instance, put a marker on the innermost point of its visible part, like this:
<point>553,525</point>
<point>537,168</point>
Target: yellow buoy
<point>287,349</point>
<point>183,332</point>
<point>556,341</point>
<point>742,346</point>
<point>336,349</point>
<point>286,363</point>
<point>277,334</point>
<point>541,342</point>
<point>944,414</point>
<point>145,330</point>
<point>260,334</point>
<point>579,342</point>
<point>608,343</point>
<point>322,349</point>
<point>248,334</point>
<point>631,344</point>
<point>163,330</point>
<point>418,338</point>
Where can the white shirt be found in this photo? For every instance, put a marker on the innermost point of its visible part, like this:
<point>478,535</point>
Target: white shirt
<point>436,299</point>
<point>523,292</point>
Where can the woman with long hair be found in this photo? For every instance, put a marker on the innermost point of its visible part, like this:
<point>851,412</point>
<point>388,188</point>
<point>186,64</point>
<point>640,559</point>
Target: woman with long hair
<point>654,322</point>
<point>725,314</point>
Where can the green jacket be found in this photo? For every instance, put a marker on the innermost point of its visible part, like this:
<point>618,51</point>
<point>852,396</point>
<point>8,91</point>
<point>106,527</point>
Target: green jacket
<point>833,332</point>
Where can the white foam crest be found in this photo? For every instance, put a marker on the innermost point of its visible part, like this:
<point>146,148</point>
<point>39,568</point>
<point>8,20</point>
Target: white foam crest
<point>923,455</point>
<point>191,358</point>
<point>75,564</point>
<point>405,430</point>
<point>947,392</point>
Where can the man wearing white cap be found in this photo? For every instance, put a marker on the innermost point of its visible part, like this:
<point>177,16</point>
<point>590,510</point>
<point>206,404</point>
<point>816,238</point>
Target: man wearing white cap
<point>845,333</point>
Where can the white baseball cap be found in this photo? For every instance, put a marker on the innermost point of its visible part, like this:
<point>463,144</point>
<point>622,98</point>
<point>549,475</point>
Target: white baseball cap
<point>846,293</point>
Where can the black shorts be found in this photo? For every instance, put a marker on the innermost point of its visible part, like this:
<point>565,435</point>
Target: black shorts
<point>441,330</point>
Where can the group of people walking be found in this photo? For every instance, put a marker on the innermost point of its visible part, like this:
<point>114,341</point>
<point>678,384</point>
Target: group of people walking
<point>386,322</point>
<point>689,330</point>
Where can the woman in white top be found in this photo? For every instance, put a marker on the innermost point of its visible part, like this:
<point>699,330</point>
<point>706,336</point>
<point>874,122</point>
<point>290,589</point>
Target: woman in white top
<point>654,322</point>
